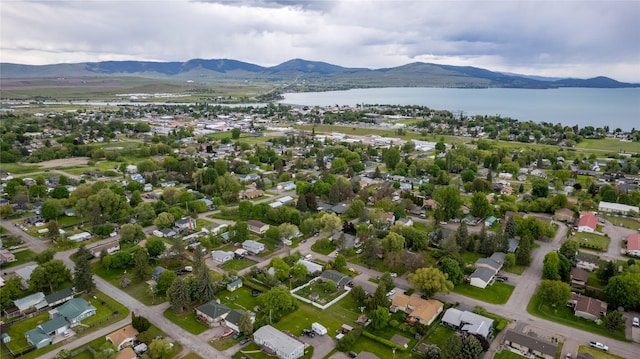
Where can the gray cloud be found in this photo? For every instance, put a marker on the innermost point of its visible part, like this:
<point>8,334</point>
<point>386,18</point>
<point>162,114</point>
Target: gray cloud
<point>569,38</point>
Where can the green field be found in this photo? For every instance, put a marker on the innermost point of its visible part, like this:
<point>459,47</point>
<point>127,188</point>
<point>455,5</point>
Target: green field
<point>598,354</point>
<point>609,144</point>
<point>237,264</point>
<point>16,168</point>
<point>591,241</point>
<point>630,223</point>
<point>497,293</point>
<point>186,321</point>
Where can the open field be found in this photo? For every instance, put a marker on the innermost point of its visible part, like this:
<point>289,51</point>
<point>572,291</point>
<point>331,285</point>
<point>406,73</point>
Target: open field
<point>186,321</point>
<point>497,293</point>
<point>591,241</point>
<point>609,144</point>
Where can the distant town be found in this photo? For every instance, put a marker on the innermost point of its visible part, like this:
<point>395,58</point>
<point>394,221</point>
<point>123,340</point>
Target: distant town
<point>200,230</point>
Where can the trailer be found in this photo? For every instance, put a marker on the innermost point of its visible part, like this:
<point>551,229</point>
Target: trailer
<point>319,328</point>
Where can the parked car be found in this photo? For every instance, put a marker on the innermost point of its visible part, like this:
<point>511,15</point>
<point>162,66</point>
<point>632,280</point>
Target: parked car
<point>358,251</point>
<point>308,257</point>
<point>353,354</point>
<point>599,345</point>
<point>237,335</point>
<point>636,322</point>
<point>500,278</point>
<point>391,292</point>
<point>245,341</point>
<point>394,275</point>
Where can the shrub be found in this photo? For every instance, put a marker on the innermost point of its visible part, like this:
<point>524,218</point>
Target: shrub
<point>394,323</point>
<point>384,341</point>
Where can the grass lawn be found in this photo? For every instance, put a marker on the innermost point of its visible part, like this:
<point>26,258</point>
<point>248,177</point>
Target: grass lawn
<point>609,144</point>
<point>438,335</point>
<point>21,258</point>
<point>16,168</point>
<point>624,222</point>
<point>505,354</point>
<point>471,257</point>
<point>564,315</point>
<point>16,331</point>
<point>186,321</point>
<point>201,222</point>
<point>237,264</point>
<point>516,269</point>
<point>319,288</point>
<point>252,351</point>
<point>594,281</point>
<point>497,293</point>
<point>240,298</point>
<point>364,344</point>
<point>591,241</point>
<point>224,343</point>
<point>307,314</point>
<point>137,288</point>
<point>598,354</point>
<point>191,356</point>
<point>326,250</point>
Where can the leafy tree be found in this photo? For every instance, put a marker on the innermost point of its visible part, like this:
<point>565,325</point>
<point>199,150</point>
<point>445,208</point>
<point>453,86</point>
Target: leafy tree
<point>480,206</point>
<point>299,270</point>
<point>391,158</point>
<point>554,292</point>
<point>11,290</point>
<point>462,235</point>
<point>386,281</point>
<point>240,232</point>
<point>379,299</point>
<point>451,268</point>
<point>510,229</point>
<point>540,189</point>
<point>140,323</point>
<point>449,202</point>
<point>277,302</point>
<point>432,352</point>
<point>358,294</point>
<point>131,233</point>
<point>159,349</point>
<point>624,291</point>
<point>356,209</point>
<point>164,220</point>
<point>281,268</point>
<point>330,222</point>
<point>551,266</point>
<point>83,275</point>
<point>453,347</point>
<point>155,247</point>
<point>6,211</point>
<point>205,285</point>
<point>63,354</point>
<point>347,342</point>
<point>179,296</point>
<point>141,269</point>
<point>165,279</point>
<point>569,249</point>
<point>392,242</point>
<point>430,281</point>
<point>471,347</point>
<point>49,276</point>
<point>606,271</point>
<point>51,209</point>
<point>523,253</point>
<point>145,213</point>
<point>380,317</point>
<point>614,321</point>
<point>245,325</point>
<point>235,133</point>
<point>106,351</point>
<point>340,261</point>
<point>45,256</point>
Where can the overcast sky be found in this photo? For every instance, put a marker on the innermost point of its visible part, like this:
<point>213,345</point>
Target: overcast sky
<point>548,38</point>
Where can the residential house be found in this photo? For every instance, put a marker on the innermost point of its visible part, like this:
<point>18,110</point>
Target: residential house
<point>340,279</point>
<point>579,277</point>
<point>348,240</point>
<point>286,186</point>
<point>74,310</point>
<point>617,208</point>
<point>490,221</point>
<point>111,247</point>
<point>339,208</point>
<point>257,227</point>
<point>212,313</point>
<point>429,204</point>
<point>156,272</point>
<point>251,194</point>
<point>221,256</point>
<point>30,303</point>
<point>80,237</point>
<point>126,353</point>
<point>60,297</point>
<point>530,346</point>
<point>468,322</point>
<point>236,284</point>
<point>482,277</point>
<point>186,224</point>
<point>232,319</point>
<point>563,215</point>
<point>167,233</point>
<point>587,222</point>
<point>55,326</point>
<point>37,338</point>
<point>311,266</point>
<point>587,307</point>
<point>123,337</point>
<point>418,309</point>
<point>253,246</point>
<point>276,342</point>
<point>633,244</point>
<point>6,256</point>
<point>216,228</point>
<point>405,221</point>
<point>587,263</point>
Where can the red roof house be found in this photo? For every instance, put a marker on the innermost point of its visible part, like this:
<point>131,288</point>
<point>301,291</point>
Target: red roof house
<point>587,222</point>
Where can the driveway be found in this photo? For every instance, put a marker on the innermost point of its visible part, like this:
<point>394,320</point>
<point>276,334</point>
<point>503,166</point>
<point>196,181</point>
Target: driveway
<point>322,344</point>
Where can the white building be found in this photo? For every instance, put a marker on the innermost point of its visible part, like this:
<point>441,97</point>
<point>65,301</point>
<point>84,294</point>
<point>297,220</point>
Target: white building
<point>283,345</point>
<point>617,208</point>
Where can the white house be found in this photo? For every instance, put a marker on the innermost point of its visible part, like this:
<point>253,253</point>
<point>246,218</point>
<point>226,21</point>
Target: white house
<point>253,246</point>
<point>221,256</point>
<point>80,237</point>
<point>283,345</point>
<point>587,222</point>
<point>257,227</point>
<point>617,208</point>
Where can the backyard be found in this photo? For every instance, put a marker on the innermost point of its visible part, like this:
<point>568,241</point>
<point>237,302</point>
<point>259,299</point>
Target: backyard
<point>136,288</point>
<point>497,293</point>
<point>591,241</point>
<point>596,353</point>
<point>237,264</point>
<point>325,291</point>
<point>630,223</point>
<point>186,321</point>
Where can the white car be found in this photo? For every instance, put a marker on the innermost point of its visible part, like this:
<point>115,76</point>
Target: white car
<point>391,292</point>
<point>393,275</point>
<point>636,322</point>
<point>308,257</point>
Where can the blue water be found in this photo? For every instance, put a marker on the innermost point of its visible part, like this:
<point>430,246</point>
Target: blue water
<point>616,108</point>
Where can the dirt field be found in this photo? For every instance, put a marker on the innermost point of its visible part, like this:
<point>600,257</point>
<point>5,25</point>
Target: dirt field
<point>63,162</point>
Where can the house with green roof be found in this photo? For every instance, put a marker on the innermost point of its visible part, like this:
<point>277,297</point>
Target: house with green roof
<point>55,326</point>
<point>234,285</point>
<point>37,338</point>
<point>212,313</point>
<point>75,310</point>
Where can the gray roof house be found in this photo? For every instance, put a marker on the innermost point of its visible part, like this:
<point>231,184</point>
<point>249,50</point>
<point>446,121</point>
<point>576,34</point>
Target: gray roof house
<point>75,310</point>
<point>253,246</point>
<point>156,272</point>
<point>340,279</point>
<point>529,345</point>
<point>278,343</point>
<point>221,256</point>
<point>311,266</point>
<point>59,297</point>
<point>481,277</point>
<point>33,301</point>
<point>212,313</point>
<point>350,240</point>
<point>469,322</point>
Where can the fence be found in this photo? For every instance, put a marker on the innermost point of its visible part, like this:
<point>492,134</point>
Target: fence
<point>323,307</point>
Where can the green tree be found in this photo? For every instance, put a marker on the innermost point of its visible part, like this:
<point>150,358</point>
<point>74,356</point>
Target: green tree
<point>164,281</point>
<point>145,213</point>
<point>164,220</point>
<point>569,249</point>
<point>471,347</point>
<point>206,286</point>
<point>83,275</point>
<point>330,222</point>
<point>551,266</point>
<point>140,323</point>
<point>453,347</point>
<point>246,324</point>
<point>45,256</point>
<point>430,281</point>
<point>241,232</point>
<point>106,351</point>
<point>510,228</point>
<point>51,209</point>
<point>277,302</point>
<point>141,269</point>
<point>624,291</point>
<point>480,206</point>
<point>554,292</point>
<point>380,317</point>
<point>614,321</point>
<point>392,242</point>
<point>155,247</point>
<point>606,271</point>
<point>391,158</point>
<point>63,354</point>
<point>131,233</point>
<point>358,294</point>
<point>179,296</point>
<point>449,201</point>
<point>235,133</point>
<point>523,253</point>
<point>49,276</point>
<point>160,349</point>
<point>379,299</point>
<point>451,268</point>
<point>386,281</point>
<point>340,261</point>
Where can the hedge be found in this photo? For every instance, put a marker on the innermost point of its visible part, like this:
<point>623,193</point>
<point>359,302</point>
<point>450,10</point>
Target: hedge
<point>384,341</point>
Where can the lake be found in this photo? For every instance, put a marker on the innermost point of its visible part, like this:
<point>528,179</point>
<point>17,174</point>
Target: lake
<point>617,108</point>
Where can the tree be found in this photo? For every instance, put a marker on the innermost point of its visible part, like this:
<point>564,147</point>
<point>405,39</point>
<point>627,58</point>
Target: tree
<point>554,292</point>
<point>624,291</point>
<point>160,349</point>
<point>140,323</point>
<point>379,299</point>
<point>340,261</point>
<point>51,209</point>
<point>569,249</point>
<point>358,294</point>
<point>299,270</point>
<point>145,213</point>
<point>471,347</point>
<point>356,208</point>
<point>510,228</point>
<point>392,242</point>
<point>11,290</point>
<point>45,256</point>
<point>164,220</point>
<point>349,339</point>
<point>241,232</point>
<point>391,158</point>
<point>141,269</point>
<point>380,317</point>
<point>131,233</point>
<point>449,202</point>
<point>330,222</point>
<point>540,189</point>
<point>205,284</point>
<point>551,266</point>
<point>179,296</point>
<point>453,347</point>
<point>63,354</point>
<point>386,281</point>
<point>106,351</point>
<point>164,281</point>
<point>523,253</point>
<point>235,133</point>
<point>83,275</point>
<point>432,351</point>
<point>430,281</point>
<point>606,271</point>
<point>462,235</point>
<point>277,302</point>
<point>49,276</point>
<point>155,247</point>
<point>287,230</point>
<point>480,206</point>
<point>451,268</point>
<point>613,321</point>
<point>281,268</point>
<point>246,324</point>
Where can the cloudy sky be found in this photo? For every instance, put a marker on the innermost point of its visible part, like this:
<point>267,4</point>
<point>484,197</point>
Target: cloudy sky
<point>547,38</point>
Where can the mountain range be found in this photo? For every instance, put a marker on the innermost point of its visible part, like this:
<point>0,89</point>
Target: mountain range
<point>303,75</point>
